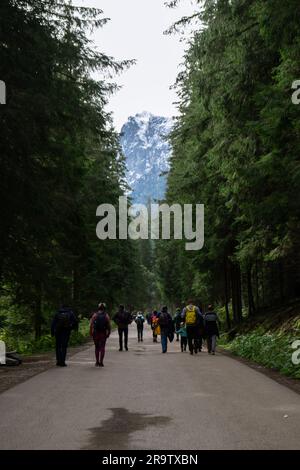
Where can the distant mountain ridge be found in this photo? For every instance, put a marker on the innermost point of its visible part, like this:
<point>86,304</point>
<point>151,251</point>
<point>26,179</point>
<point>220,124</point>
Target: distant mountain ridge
<point>147,152</point>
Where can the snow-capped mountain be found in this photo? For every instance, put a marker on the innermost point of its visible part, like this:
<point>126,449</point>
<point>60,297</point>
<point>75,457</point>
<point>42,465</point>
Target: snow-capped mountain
<point>147,152</point>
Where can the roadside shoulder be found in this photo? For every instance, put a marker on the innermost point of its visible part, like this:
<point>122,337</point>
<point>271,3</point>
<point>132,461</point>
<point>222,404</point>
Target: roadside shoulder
<point>293,384</point>
<point>33,365</point>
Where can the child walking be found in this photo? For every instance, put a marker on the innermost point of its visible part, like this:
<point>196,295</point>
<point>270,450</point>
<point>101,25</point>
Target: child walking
<point>183,336</point>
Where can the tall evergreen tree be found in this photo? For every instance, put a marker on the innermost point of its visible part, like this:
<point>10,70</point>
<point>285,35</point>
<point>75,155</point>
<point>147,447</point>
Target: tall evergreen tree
<point>60,159</point>
<point>235,149</point>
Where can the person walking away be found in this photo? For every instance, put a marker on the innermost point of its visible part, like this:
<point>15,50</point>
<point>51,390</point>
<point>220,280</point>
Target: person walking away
<point>64,321</point>
<point>155,326</point>
<point>191,317</point>
<point>122,319</point>
<point>177,321</point>
<point>212,324</point>
<point>100,329</point>
<point>166,328</point>
<point>183,336</point>
<point>140,325</point>
<point>199,331</point>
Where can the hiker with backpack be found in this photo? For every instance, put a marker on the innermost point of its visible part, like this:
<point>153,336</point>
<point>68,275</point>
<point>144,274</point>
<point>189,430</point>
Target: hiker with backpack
<point>100,329</point>
<point>139,320</point>
<point>177,321</point>
<point>64,321</point>
<point>166,324</point>
<point>200,331</point>
<point>154,325</point>
<point>191,317</point>
<point>211,324</point>
<point>122,319</point>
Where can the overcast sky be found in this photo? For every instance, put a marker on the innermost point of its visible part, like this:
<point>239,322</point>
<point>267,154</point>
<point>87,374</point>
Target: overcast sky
<point>136,32</point>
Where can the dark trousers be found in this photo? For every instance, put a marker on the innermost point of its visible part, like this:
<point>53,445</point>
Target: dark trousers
<point>140,330</point>
<point>183,342</point>
<point>123,331</point>
<point>164,342</point>
<point>191,331</point>
<point>62,340</point>
<point>198,342</point>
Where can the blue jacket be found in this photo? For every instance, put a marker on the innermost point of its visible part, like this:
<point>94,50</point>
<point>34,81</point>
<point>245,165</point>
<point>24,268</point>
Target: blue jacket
<point>182,332</point>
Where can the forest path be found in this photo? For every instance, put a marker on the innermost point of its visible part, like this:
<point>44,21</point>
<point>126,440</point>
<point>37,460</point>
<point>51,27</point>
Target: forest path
<point>143,399</point>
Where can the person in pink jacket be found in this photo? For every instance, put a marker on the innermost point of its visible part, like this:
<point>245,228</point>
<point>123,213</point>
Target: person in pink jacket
<point>100,328</point>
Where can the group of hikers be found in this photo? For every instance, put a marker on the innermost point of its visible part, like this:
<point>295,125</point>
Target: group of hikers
<point>189,325</point>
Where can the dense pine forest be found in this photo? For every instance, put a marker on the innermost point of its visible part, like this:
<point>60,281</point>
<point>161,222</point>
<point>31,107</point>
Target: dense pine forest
<point>60,159</point>
<point>128,130</point>
<point>236,148</point>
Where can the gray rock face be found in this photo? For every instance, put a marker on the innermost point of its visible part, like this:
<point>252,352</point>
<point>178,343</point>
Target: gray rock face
<point>147,152</point>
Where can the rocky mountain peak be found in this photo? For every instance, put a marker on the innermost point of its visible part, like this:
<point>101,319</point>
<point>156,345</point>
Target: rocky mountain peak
<point>147,152</point>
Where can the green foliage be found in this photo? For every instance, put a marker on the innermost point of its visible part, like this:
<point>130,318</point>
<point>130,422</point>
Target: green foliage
<point>269,349</point>
<point>26,343</point>
<point>60,158</point>
<point>236,147</point>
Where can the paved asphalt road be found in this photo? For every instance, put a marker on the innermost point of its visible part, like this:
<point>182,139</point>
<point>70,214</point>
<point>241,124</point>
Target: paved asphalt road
<point>143,399</point>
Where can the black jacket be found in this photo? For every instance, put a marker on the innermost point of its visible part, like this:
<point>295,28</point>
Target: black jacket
<point>168,326</point>
<point>211,324</point>
<point>70,323</point>
<point>177,320</point>
<point>122,319</point>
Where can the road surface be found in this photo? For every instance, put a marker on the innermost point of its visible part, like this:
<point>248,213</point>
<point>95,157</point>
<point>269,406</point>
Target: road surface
<point>143,399</point>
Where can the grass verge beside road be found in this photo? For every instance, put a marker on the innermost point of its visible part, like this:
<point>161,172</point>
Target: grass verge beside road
<point>268,339</point>
<point>26,345</point>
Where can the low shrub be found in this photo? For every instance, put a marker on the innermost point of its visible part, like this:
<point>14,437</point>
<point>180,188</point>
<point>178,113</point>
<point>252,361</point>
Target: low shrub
<point>272,350</point>
<point>28,345</point>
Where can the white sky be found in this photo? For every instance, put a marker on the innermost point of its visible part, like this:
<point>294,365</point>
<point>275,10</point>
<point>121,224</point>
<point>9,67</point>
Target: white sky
<point>136,32</point>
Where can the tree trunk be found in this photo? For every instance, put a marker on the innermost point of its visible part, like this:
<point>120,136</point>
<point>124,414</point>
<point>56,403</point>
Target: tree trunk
<point>228,321</point>
<point>251,305</point>
<point>263,286</point>
<point>239,294</point>
<point>281,281</point>
<point>257,285</point>
<point>236,292</point>
<point>38,313</point>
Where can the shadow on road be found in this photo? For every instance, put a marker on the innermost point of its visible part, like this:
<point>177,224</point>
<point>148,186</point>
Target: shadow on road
<point>114,433</point>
